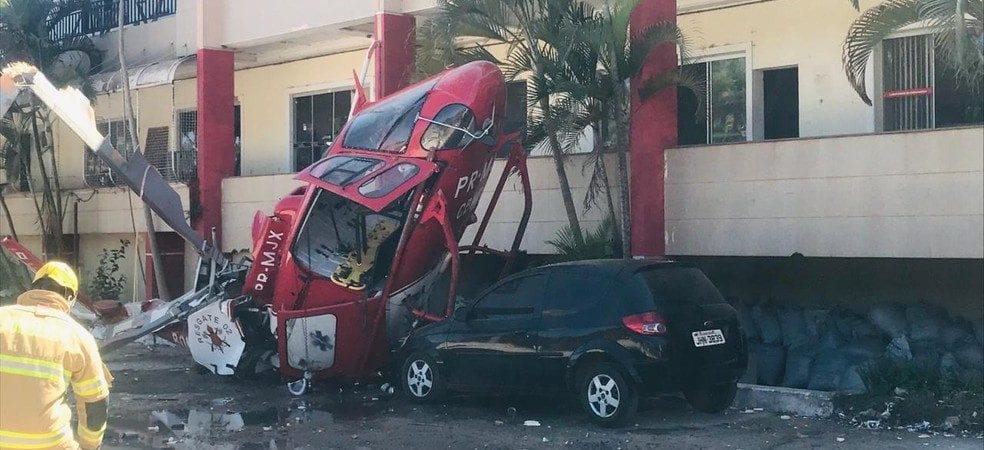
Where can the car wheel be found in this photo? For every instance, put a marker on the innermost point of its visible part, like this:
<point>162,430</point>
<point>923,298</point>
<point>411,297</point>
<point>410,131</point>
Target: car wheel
<point>421,380</point>
<point>712,399</point>
<point>606,395</point>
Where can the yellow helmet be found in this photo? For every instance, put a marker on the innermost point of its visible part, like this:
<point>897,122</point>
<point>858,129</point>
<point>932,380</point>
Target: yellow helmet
<point>60,273</point>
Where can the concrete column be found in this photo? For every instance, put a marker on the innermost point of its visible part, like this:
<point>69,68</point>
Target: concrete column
<point>394,56</point>
<point>653,128</point>
<point>216,145</point>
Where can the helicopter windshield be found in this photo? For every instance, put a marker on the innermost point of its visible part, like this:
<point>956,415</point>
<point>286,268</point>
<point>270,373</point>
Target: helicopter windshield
<point>344,241</point>
<point>386,126</point>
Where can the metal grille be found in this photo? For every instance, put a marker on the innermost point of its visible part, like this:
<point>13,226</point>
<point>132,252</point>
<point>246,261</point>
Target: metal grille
<point>100,16</point>
<point>97,173</point>
<point>185,155</point>
<point>907,83</point>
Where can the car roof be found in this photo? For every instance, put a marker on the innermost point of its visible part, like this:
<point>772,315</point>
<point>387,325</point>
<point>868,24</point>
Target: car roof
<point>610,267</point>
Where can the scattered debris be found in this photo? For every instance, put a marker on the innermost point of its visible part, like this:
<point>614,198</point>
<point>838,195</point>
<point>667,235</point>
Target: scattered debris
<point>785,417</point>
<point>531,423</point>
<point>840,439</point>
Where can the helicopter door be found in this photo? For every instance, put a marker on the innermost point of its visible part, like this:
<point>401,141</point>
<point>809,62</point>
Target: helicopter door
<point>311,342</point>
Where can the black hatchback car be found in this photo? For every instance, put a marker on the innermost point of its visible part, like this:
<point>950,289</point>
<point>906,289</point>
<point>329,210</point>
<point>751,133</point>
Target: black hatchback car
<point>607,331</point>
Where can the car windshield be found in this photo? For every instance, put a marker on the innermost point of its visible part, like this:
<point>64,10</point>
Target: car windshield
<point>344,241</point>
<point>676,285</point>
<point>386,126</point>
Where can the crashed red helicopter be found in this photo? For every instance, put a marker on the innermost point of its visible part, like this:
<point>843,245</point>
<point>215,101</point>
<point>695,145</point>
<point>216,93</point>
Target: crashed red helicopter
<point>348,262</point>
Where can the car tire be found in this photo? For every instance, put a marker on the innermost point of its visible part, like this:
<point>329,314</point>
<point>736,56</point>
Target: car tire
<point>606,394</point>
<point>712,399</point>
<point>421,380</point>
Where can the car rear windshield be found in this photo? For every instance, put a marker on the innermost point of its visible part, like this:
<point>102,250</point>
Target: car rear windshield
<point>677,285</point>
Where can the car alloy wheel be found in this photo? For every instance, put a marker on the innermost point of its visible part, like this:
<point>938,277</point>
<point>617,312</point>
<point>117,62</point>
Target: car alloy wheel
<point>603,395</point>
<point>607,396</point>
<point>420,378</point>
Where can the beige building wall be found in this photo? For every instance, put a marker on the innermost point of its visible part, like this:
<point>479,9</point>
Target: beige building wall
<point>785,33</point>
<point>899,195</point>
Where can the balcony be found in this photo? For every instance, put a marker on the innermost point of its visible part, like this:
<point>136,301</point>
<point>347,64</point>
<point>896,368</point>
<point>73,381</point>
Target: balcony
<point>100,16</point>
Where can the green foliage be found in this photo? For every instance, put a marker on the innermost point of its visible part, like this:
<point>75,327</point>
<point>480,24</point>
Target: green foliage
<point>601,243</point>
<point>956,24</point>
<point>14,278</point>
<point>883,376</point>
<point>107,282</point>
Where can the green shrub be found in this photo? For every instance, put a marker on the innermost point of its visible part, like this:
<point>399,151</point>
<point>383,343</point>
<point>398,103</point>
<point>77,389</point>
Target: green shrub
<point>601,243</point>
<point>107,283</point>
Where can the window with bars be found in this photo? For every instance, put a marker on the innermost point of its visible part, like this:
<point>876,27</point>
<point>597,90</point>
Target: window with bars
<point>317,120</point>
<point>97,173</point>
<point>722,115</point>
<point>185,157</point>
<point>920,90</point>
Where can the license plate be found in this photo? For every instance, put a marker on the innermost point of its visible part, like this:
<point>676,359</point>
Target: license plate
<point>708,337</point>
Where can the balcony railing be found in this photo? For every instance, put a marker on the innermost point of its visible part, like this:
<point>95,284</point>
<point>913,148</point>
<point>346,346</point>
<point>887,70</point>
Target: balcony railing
<point>100,16</point>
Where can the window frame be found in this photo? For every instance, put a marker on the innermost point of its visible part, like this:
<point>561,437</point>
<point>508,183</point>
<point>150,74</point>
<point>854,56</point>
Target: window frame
<point>311,91</point>
<point>535,308</point>
<point>726,52</point>
<point>88,155</point>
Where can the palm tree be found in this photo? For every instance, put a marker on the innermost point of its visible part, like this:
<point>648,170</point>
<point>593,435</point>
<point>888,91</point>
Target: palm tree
<point>956,24</point>
<point>26,34</point>
<point>601,56</point>
<point>521,25</point>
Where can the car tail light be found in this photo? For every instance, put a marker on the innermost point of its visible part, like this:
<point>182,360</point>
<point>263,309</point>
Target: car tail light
<point>648,323</point>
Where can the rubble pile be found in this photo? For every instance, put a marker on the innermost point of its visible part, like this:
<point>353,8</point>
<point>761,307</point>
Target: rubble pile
<point>827,350</point>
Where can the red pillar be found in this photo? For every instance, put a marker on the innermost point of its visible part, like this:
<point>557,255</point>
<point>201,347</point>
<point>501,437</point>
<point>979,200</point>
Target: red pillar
<point>394,56</point>
<point>216,146</point>
<point>653,128</point>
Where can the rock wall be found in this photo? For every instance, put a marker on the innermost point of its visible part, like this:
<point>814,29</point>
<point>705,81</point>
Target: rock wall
<point>827,349</point>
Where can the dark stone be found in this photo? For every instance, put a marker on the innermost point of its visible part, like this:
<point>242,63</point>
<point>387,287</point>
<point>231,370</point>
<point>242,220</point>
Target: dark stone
<point>816,321</point>
<point>926,354</point>
<point>770,361</point>
<point>970,356</point>
<point>767,323</point>
<point>793,327</point>
<point>898,349</point>
<point>889,318</point>
<point>745,320</point>
<point>852,381</point>
<point>957,333</point>
<point>949,365</point>
<point>864,348</point>
<point>827,370</point>
<point>925,322</point>
<point>798,360</point>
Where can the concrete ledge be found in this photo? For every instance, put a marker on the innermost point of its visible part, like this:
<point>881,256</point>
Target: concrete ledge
<point>800,402</point>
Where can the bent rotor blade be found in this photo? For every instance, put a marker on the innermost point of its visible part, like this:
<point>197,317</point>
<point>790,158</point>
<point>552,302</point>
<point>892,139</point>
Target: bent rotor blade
<point>75,110</point>
<point>117,335</point>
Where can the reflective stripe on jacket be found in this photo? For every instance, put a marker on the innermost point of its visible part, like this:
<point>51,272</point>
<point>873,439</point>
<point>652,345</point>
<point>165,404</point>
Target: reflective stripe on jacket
<point>42,352</point>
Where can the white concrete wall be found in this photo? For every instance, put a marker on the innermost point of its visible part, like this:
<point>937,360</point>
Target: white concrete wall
<point>242,197</point>
<point>900,195</point>
<point>548,213</point>
<point>249,22</point>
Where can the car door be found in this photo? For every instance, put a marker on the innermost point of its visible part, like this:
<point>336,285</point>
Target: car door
<point>492,347</point>
<point>572,315</point>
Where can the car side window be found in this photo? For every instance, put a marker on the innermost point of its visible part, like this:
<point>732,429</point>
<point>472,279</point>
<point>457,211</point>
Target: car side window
<point>511,299</point>
<point>571,293</point>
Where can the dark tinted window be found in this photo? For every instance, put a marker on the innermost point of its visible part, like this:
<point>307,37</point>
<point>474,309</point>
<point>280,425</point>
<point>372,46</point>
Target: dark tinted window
<point>515,297</point>
<point>572,292</point>
<point>387,125</point>
<point>678,285</point>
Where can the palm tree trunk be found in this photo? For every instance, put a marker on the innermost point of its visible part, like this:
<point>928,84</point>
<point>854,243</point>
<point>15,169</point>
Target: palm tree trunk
<point>622,147</point>
<point>565,186</point>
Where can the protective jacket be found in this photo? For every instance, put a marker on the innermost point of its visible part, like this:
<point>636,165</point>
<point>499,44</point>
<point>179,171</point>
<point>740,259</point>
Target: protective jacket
<point>43,351</point>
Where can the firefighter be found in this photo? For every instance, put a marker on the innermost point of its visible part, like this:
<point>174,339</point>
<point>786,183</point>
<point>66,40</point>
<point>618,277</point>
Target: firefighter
<point>42,351</point>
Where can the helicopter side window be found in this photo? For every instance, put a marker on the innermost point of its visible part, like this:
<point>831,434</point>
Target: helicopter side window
<point>384,183</point>
<point>386,126</point>
<point>446,131</point>
<point>342,170</point>
<point>340,239</point>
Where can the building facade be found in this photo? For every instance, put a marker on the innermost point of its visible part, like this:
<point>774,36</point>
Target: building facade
<point>783,158</point>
